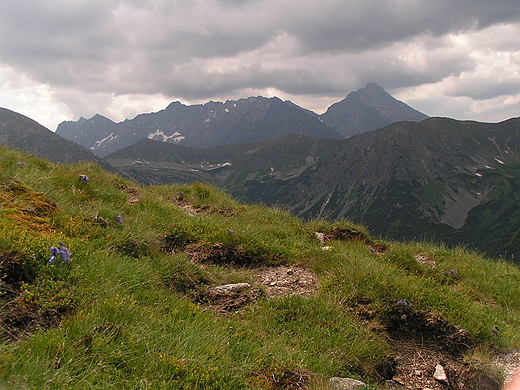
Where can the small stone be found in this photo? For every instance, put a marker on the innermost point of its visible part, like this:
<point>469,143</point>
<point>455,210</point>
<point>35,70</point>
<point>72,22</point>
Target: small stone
<point>398,380</point>
<point>229,288</point>
<point>440,375</point>
<point>326,248</point>
<point>337,383</point>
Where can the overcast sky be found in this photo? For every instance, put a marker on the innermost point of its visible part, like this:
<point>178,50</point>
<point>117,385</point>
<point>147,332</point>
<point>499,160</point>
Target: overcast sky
<point>62,59</point>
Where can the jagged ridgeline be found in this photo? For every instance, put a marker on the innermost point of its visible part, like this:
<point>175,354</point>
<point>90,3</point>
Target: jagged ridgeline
<point>107,284</point>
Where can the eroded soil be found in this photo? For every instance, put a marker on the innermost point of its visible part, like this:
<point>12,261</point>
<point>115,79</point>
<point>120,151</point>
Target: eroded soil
<point>287,280</point>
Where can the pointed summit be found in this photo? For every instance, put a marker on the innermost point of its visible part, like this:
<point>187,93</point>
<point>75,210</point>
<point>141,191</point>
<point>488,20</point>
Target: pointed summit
<point>368,109</point>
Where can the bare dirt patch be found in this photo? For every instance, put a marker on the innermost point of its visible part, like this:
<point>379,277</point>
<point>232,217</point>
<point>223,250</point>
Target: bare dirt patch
<point>290,280</point>
<point>222,254</point>
<point>133,193</point>
<point>426,260</point>
<point>346,234</point>
<point>508,363</point>
<point>282,380</point>
<point>416,368</point>
<point>171,243</point>
<point>18,315</point>
<point>421,341</point>
<point>232,302</point>
<point>272,282</point>
<point>427,329</point>
<point>193,210</point>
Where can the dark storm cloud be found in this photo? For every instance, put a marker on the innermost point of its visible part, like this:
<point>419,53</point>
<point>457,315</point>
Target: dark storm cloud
<point>356,25</point>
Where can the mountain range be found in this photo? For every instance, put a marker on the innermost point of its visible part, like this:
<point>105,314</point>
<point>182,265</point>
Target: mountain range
<point>244,120</point>
<point>438,179</point>
<point>201,125</point>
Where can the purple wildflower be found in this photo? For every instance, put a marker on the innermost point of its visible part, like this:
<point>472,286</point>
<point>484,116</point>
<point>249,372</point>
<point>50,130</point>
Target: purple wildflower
<point>62,252</point>
<point>84,179</point>
<point>54,252</point>
<point>404,302</point>
<point>231,231</point>
<point>119,219</point>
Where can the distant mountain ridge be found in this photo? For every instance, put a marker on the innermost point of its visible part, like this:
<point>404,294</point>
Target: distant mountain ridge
<point>453,181</point>
<point>367,109</point>
<point>210,124</point>
<point>244,120</point>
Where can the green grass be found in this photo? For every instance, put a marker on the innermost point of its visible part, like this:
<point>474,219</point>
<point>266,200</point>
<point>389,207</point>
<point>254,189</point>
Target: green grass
<point>126,312</point>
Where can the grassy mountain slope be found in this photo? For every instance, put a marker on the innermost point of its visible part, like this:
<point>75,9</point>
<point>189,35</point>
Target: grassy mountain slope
<point>23,133</point>
<point>134,308</point>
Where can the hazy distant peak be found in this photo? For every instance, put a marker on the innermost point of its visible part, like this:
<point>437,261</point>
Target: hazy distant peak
<point>368,109</point>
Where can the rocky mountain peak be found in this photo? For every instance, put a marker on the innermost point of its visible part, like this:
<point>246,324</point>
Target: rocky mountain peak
<point>199,125</point>
<point>368,109</point>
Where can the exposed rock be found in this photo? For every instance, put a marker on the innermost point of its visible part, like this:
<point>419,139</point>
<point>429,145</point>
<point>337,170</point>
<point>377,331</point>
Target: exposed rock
<point>227,289</point>
<point>507,363</point>
<point>337,383</point>
<point>440,375</point>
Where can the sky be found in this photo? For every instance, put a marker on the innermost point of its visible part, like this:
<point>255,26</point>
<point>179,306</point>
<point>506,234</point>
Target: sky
<point>65,59</point>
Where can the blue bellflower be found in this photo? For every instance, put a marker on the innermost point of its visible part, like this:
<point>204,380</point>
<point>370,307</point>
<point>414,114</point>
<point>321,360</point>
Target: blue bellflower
<point>61,252</point>
<point>404,302</point>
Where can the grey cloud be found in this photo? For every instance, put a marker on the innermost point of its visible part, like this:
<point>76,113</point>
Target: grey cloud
<point>484,89</point>
<point>360,26</point>
<point>137,46</point>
